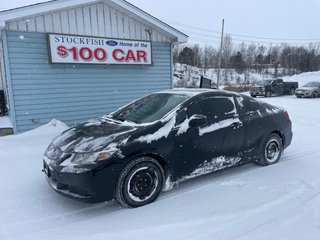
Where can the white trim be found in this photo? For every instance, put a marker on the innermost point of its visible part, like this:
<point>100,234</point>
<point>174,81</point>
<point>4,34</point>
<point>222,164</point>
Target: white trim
<point>2,25</point>
<point>181,37</point>
<point>10,101</point>
<point>54,5</point>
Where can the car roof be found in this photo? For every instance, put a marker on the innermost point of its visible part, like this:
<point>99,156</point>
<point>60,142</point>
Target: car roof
<point>190,91</point>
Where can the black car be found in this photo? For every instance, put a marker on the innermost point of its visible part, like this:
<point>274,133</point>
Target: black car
<point>165,137</point>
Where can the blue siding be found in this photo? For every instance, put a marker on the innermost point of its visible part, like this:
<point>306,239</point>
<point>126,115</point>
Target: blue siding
<point>75,93</point>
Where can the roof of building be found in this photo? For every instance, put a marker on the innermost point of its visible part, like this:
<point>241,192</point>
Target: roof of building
<point>55,5</point>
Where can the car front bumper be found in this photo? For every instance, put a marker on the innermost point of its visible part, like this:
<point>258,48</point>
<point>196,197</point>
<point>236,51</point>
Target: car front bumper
<point>92,186</point>
<point>303,94</point>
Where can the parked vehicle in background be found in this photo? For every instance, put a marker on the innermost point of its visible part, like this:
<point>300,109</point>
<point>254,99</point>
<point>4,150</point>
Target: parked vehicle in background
<point>310,89</point>
<point>164,137</point>
<point>271,87</point>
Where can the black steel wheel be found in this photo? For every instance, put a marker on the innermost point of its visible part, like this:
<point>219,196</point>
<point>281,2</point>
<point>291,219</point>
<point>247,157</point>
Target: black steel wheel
<point>271,150</point>
<point>140,182</point>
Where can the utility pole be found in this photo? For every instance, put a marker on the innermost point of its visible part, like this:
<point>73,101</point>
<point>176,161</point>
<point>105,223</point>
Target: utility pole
<point>270,54</point>
<point>220,54</point>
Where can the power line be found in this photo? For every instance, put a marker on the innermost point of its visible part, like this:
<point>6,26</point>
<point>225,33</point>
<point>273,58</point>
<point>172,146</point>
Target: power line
<point>208,39</point>
<point>245,36</point>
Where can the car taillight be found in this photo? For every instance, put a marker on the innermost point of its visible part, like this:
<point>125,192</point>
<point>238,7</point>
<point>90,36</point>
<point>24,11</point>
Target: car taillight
<point>286,114</point>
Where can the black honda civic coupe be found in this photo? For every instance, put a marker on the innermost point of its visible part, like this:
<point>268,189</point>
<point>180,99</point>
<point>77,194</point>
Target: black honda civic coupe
<point>133,154</point>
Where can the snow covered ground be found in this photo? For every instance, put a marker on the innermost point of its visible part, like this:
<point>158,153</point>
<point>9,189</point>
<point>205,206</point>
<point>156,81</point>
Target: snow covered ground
<point>248,202</point>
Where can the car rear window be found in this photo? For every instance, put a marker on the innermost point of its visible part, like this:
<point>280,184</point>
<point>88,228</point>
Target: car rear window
<point>248,104</point>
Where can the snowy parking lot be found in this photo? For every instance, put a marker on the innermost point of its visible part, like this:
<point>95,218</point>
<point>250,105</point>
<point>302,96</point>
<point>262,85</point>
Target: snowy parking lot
<point>281,201</point>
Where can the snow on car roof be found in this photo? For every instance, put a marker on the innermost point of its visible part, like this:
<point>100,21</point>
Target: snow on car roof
<point>188,91</point>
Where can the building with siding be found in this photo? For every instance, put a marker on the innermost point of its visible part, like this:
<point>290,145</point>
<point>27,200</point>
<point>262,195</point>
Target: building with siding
<point>39,88</point>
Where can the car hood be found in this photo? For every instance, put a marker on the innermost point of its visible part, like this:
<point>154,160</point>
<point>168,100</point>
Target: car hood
<point>306,88</point>
<point>94,135</point>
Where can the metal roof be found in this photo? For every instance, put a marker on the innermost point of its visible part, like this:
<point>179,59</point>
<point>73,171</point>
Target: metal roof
<point>55,5</point>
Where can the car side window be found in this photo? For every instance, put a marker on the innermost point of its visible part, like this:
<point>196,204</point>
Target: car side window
<point>181,116</point>
<point>214,108</point>
<point>247,104</point>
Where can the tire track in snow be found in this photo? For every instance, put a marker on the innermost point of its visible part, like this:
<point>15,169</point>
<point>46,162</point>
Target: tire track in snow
<point>282,213</point>
<point>56,220</point>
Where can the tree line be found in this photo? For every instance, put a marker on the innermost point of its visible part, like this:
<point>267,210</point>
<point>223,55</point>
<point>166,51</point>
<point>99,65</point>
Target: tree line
<point>283,58</point>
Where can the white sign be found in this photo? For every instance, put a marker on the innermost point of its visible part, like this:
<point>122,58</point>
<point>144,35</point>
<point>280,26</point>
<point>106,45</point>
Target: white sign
<point>95,50</point>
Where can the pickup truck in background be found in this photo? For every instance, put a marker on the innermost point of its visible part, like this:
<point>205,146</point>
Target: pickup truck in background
<point>271,87</point>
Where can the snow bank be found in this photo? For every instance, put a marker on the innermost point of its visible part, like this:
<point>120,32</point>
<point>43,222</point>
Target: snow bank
<point>191,76</point>
<point>303,78</point>
<point>5,122</point>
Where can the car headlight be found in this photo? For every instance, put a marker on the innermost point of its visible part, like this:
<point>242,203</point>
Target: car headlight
<point>90,158</point>
<point>53,152</point>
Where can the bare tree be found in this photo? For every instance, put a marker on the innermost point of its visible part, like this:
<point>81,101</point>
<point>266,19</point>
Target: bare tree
<point>209,58</point>
<point>197,55</point>
<point>227,50</point>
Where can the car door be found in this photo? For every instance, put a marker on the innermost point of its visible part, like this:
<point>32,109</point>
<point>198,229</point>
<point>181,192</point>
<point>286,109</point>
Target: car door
<point>275,87</point>
<point>214,144</point>
<point>250,113</point>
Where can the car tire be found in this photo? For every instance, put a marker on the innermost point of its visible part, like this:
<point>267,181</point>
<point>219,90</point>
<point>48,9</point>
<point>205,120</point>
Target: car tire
<point>314,95</point>
<point>271,150</point>
<point>268,93</point>
<point>140,182</point>
<point>292,91</point>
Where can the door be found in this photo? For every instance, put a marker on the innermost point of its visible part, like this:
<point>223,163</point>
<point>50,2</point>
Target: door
<point>212,145</point>
<point>278,86</point>
<point>251,117</point>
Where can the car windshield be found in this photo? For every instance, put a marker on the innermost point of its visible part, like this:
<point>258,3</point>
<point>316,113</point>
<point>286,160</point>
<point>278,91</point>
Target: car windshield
<point>150,108</point>
<point>312,84</point>
<point>265,82</point>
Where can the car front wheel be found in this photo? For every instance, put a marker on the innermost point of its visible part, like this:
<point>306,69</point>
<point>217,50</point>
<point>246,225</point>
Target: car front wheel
<point>271,150</point>
<point>314,95</point>
<point>268,93</point>
<point>140,182</point>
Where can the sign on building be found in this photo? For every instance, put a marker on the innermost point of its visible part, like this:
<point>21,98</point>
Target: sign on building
<point>95,50</point>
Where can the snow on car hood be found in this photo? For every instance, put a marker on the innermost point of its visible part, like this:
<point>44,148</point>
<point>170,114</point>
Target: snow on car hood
<point>92,136</point>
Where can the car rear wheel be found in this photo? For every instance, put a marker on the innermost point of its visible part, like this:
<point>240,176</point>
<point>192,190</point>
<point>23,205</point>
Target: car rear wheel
<point>140,182</point>
<point>292,91</point>
<point>271,150</point>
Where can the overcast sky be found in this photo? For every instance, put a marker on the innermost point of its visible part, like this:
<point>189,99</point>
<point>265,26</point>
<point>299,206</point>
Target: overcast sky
<point>269,19</point>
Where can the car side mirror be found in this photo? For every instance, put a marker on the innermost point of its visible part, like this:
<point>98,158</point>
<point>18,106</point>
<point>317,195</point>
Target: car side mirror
<point>197,120</point>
